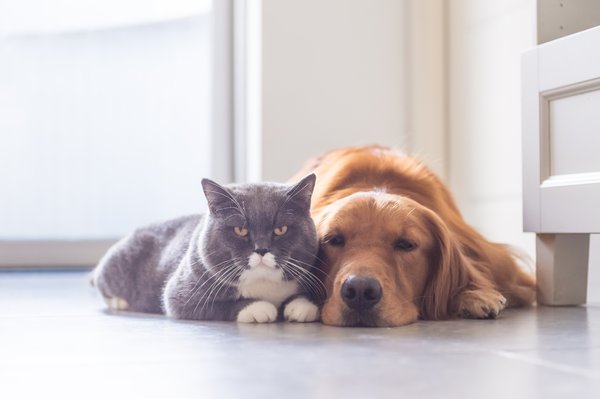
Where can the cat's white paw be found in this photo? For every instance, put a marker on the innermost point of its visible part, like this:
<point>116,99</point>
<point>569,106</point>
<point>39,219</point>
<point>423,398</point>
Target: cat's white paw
<point>117,303</point>
<point>301,310</point>
<point>258,312</point>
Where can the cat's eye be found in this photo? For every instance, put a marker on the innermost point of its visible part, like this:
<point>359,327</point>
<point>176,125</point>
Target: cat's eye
<point>336,240</point>
<point>279,231</point>
<point>403,244</point>
<point>240,231</point>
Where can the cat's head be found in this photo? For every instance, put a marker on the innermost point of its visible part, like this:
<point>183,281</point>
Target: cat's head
<point>262,229</point>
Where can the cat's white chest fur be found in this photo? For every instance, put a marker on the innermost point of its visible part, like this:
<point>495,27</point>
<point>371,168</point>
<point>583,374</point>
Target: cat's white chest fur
<point>264,281</point>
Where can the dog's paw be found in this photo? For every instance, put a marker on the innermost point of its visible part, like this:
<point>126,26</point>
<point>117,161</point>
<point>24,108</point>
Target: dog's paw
<point>481,304</point>
<point>301,310</point>
<point>258,312</point>
<point>116,303</point>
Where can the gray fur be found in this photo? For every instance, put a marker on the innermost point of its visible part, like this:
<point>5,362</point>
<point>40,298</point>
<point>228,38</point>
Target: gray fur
<point>190,267</point>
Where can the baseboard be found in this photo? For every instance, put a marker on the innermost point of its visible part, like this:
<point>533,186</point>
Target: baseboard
<point>52,253</point>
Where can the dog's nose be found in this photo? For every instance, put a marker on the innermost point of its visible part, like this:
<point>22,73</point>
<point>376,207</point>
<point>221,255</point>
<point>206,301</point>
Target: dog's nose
<point>361,293</point>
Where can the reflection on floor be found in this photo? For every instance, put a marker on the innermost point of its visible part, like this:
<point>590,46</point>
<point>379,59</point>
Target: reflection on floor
<point>57,341</point>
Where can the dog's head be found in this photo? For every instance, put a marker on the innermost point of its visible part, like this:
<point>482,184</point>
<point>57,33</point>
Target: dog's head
<point>389,261</point>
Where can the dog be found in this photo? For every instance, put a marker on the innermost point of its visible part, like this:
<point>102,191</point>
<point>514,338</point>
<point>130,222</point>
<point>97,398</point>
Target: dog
<point>394,247</point>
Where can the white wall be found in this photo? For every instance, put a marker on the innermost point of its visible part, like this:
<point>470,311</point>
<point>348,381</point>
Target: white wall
<point>484,108</point>
<point>332,75</point>
<point>426,91</point>
<point>485,41</point>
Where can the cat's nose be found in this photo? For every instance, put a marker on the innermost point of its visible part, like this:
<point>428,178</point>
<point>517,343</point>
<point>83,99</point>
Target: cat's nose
<point>261,251</point>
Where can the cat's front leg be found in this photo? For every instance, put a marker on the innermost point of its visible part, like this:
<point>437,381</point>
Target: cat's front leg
<point>257,312</point>
<point>240,310</point>
<point>300,309</point>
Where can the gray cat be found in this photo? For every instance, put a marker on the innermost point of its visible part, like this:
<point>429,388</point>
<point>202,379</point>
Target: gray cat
<point>249,259</point>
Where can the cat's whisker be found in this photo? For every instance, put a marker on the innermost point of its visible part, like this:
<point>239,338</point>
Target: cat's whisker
<point>306,275</point>
<point>227,282</point>
<point>206,295</point>
<point>214,276</point>
<point>206,271</point>
<point>219,276</point>
<point>321,261</point>
<point>309,266</point>
<point>316,256</point>
<point>316,293</point>
<point>216,287</point>
<point>292,261</point>
<point>222,269</point>
<point>312,288</point>
<point>192,291</point>
<point>312,279</point>
<point>305,286</point>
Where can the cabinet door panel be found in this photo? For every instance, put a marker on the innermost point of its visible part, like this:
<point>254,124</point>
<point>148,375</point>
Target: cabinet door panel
<point>561,135</point>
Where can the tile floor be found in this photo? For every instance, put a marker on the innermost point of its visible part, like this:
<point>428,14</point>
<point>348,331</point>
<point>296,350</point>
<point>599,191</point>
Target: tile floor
<point>57,341</point>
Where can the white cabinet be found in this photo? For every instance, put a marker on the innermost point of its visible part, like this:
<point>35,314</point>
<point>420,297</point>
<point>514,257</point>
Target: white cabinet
<point>561,149</point>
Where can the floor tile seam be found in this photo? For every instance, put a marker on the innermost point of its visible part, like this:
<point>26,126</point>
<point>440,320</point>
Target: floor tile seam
<point>515,355</point>
<point>553,349</point>
<point>547,364</point>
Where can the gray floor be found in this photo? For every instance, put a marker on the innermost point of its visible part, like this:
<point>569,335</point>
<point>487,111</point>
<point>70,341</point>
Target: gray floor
<point>57,341</point>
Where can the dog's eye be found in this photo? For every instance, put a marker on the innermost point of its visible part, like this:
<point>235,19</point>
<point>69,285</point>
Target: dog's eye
<point>336,240</point>
<point>402,244</point>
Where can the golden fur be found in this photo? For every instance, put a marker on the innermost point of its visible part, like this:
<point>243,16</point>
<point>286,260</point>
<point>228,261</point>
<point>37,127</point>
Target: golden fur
<point>373,196</point>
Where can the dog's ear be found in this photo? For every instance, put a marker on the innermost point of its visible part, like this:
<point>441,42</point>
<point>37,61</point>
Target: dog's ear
<point>449,273</point>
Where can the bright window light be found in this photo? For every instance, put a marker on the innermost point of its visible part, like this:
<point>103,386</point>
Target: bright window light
<point>105,115</point>
<point>55,16</point>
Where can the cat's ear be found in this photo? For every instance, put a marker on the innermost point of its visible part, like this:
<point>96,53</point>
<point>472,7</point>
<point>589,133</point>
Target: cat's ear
<point>217,196</point>
<point>301,192</point>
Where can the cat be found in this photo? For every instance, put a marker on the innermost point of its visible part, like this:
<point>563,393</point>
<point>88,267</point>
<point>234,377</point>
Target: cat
<point>249,259</point>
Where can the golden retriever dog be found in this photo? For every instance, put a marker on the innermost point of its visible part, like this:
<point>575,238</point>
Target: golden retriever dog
<point>395,247</point>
